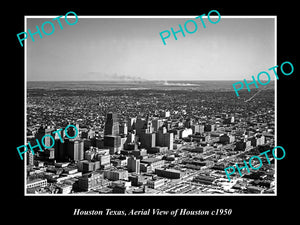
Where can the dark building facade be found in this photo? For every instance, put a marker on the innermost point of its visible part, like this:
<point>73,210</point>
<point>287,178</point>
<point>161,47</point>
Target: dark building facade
<point>111,124</point>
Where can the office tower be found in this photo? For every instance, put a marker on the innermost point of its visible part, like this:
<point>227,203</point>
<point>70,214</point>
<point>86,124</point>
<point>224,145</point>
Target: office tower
<point>156,124</point>
<point>42,131</point>
<point>111,132</point>
<point>164,139</point>
<point>131,123</point>
<point>113,143</point>
<point>140,125</point>
<point>143,126</point>
<point>188,123</point>
<point>168,140</point>
<point>75,149</point>
<point>47,139</point>
<point>60,151</point>
<point>49,153</point>
<point>131,138</point>
<point>123,129</point>
<point>149,127</point>
<point>160,136</point>
<point>123,141</point>
<point>162,130</point>
<point>59,134</point>
<point>87,143</point>
<point>168,125</point>
<point>148,140</point>
<point>165,114</point>
<point>30,158</point>
<point>133,165</point>
<point>111,124</point>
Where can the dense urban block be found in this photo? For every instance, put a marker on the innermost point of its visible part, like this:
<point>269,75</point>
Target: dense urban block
<point>153,141</point>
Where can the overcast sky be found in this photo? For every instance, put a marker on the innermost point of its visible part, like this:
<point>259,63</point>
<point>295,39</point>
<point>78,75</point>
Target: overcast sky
<point>233,49</point>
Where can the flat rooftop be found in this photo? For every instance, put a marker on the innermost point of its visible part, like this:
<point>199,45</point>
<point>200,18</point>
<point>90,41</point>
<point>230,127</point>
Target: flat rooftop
<point>150,160</point>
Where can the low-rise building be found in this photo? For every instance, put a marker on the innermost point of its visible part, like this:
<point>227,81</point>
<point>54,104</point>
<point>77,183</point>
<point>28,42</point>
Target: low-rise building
<point>36,183</point>
<point>64,188</point>
<point>169,173</point>
<point>204,179</point>
<point>153,162</point>
<point>155,183</point>
<point>116,174</point>
<point>90,181</point>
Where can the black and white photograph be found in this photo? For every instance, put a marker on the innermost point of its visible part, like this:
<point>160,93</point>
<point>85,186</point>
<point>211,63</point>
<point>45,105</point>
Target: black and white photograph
<point>174,116</point>
<point>151,118</point>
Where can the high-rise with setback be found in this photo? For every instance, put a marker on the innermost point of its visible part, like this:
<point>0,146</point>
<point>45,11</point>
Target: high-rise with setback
<point>111,124</point>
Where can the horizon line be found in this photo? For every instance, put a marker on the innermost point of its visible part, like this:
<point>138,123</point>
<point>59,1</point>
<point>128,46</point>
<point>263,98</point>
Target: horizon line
<point>138,80</point>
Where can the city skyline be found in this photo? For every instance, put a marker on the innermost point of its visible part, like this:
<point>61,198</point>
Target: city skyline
<point>131,48</point>
<point>149,142</point>
<point>150,138</point>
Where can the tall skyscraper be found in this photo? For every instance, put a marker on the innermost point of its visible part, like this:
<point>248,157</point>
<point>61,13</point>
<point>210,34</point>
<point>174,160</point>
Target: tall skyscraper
<point>133,165</point>
<point>123,129</point>
<point>111,124</point>
<point>164,138</point>
<point>156,124</point>
<point>42,131</point>
<point>60,150</point>
<point>131,123</point>
<point>75,149</point>
<point>148,140</point>
<point>112,142</point>
<point>140,125</point>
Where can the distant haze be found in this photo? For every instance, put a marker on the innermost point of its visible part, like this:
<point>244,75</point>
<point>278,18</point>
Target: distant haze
<point>139,85</point>
<point>105,49</point>
<point>109,77</point>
